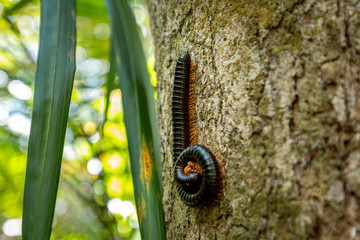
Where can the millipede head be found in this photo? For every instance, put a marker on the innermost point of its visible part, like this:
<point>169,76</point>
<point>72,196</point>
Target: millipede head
<point>197,189</point>
<point>193,167</point>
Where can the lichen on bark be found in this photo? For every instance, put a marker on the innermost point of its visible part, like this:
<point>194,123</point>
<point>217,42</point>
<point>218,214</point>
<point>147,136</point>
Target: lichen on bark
<point>278,85</point>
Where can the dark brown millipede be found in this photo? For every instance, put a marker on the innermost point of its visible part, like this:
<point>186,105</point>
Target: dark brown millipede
<point>196,171</point>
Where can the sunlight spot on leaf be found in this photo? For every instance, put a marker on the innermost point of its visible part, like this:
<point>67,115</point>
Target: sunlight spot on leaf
<point>114,186</point>
<point>94,166</point>
<point>124,208</point>
<point>20,90</point>
<point>20,124</point>
<point>12,227</point>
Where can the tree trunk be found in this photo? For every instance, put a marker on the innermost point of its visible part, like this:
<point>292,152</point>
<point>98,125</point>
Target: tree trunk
<point>278,100</point>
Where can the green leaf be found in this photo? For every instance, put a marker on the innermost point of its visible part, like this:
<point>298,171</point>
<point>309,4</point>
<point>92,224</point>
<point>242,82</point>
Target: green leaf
<point>53,86</point>
<point>140,119</point>
<point>95,10</point>
<point>15,7</point>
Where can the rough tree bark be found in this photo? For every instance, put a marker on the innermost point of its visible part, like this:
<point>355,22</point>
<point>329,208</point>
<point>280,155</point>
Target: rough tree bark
<point>278,99</point>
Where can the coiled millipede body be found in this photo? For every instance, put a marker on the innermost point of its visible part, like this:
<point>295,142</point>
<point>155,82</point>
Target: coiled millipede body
<point>196,171</point>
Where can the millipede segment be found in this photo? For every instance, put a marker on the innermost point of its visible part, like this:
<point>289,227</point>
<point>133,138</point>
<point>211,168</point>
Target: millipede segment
<point>180,105</point>
<point>196,171</point>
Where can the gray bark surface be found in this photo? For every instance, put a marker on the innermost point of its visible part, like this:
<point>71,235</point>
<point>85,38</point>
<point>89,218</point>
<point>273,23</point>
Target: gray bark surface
<point>278,99</point>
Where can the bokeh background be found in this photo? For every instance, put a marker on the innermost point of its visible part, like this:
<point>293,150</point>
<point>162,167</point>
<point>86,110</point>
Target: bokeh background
<point>95,197</point>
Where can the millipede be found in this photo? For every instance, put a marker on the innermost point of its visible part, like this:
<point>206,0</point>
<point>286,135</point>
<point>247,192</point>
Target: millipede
<point>197,173</point>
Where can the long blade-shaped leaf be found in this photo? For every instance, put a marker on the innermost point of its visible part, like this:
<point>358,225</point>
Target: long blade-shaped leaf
<point>53,86</point>
<point>140,119</point>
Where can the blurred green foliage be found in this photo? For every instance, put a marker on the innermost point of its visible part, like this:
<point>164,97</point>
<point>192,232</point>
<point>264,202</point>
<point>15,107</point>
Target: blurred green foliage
<point>95,198</point>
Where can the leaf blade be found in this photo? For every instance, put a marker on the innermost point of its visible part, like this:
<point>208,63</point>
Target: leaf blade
<point>53,86</point>
<point>140,119</point>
